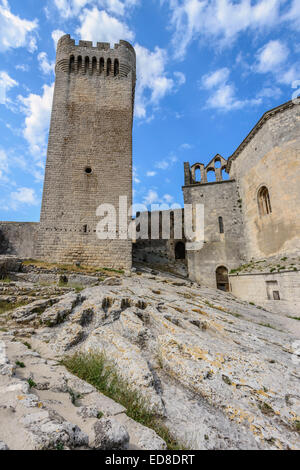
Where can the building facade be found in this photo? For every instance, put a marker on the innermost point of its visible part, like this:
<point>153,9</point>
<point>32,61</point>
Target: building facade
<point>254,215</point>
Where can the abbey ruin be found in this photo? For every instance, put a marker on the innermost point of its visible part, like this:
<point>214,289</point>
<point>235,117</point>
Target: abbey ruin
<point>151,342</point>
<point>252,218</point>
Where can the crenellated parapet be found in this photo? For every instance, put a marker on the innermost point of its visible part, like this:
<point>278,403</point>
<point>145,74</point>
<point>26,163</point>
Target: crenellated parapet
<point>100,60</point>
<point>197,173</point>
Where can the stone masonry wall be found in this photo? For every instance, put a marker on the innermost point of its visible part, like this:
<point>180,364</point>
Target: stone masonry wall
<point>18,238</point>
<point>272,159</point>
<point>220,199</point>
<point>259,288</point>
<point>89,159</point>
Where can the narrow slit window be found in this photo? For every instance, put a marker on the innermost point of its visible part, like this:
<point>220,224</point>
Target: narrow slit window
<point>221,225</point>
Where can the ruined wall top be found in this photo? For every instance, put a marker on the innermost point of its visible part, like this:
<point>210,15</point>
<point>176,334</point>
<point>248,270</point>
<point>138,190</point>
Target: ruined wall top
<point>216,165</point>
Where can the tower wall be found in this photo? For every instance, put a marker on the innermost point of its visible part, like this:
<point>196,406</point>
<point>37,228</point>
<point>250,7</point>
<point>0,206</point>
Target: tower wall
<point>221,200</point>
<point>89,160</point>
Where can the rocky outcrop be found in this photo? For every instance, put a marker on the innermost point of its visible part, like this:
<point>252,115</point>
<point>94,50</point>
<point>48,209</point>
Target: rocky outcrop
<point>210,366</point>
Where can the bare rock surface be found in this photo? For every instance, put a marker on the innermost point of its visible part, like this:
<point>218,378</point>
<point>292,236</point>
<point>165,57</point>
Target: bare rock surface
<point>221,373</point>
<point>110,435</point>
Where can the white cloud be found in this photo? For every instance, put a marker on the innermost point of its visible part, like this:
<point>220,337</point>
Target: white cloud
<point>213,79</point>
<point>3,166</point>
<point>153,84</point>
<point>223,94</point>
<point>70,8</point>
<point>45,66</point>
<point>224,99</point>
<point>152,78</point>
<point>56,35</point>
<point>269,92</point>
<point>219,20</point>
<point>180,77</point>
<point>271,56</point>
<point>37,109</point>
<point>166,162</point>
<point>23,196</point>
<point>151,197</point>
<point>151,173</point>
<point>293,15</point>
<point>135,176</point>
<point>6,83</point>
<point>168,198</point>
<point>186,146</point>
<point>22,67</point>
<point>14,31</point>
<point>289,74</point>
<point>98,24</point>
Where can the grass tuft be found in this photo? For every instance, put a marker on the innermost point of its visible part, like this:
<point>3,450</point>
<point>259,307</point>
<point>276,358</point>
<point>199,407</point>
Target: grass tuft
<point>97,370</point>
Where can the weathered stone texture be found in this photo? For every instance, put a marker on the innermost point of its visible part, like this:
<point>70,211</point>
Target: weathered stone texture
<point>18,238</point>
<point>220,199</point>
<point>261,288</point>
<point>271,159</point>
<point>89,158</point>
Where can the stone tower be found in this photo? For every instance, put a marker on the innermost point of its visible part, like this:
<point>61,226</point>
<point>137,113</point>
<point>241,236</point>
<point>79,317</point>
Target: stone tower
<point>89,160</point>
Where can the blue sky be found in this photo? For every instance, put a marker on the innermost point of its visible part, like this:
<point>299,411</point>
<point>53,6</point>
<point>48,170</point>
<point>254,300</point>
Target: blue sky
<point>207,71</point>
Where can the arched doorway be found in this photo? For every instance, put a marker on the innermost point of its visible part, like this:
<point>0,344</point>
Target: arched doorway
<point>180,250</point>
<point>222,278</point>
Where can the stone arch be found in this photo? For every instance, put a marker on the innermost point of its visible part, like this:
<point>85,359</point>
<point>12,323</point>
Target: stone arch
<point>217,162</point>
<point>222,278</point>
<point>197,174</point>
<point>263,201</point>
<point>116,67</point>
<point>180,250</point>
<point>211,175</point>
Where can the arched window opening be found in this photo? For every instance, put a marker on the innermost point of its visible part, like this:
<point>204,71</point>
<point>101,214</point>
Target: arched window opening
<point>197,174</point>
<point>72,64</point>
<point>211,176</point>
<point>264,203</point>
<point>218,163</point>
<point>116,67</point>
<point>94,65</point>
<point>101,65</point>
<point>222,278</point>
<point>85,228</point>
<point>79,63</point>
<point>221,225</point>
<point>86,64</point>
<point>108,70</point>
<point>180,250</point>
<point>225,175</point>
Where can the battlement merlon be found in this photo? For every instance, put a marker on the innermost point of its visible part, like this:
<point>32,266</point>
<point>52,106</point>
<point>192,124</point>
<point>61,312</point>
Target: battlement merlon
<point>66,47</point>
